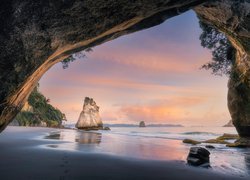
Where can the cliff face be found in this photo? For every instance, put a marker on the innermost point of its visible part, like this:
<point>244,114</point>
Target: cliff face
<point>233,18</point>
<point>38,112</point>
<point>89,117</point>
<point>37,34</point>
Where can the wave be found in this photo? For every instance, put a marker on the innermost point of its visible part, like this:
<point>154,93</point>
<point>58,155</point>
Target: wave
<point>138,132</point>
<point>199,133</point>
<point>144,135</point>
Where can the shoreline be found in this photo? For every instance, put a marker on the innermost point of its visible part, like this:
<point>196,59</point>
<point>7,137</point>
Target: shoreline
<point>23,156</point>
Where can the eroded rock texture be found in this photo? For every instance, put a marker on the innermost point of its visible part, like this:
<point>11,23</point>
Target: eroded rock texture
<point>89,117</point>
<point>36,34</point>
<point>233,18</point>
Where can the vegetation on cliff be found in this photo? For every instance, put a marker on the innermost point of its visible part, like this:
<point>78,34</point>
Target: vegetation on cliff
<point>42,114</point>
<point>223,53</point>
<point>73,57</point>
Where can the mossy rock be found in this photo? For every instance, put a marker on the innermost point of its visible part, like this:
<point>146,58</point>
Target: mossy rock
<point>228,137</point>
<point>190,141</point>
<point>240,143</point>
<point>215,141</point>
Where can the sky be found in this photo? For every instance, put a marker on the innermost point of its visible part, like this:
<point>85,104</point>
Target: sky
<point>152,75</point>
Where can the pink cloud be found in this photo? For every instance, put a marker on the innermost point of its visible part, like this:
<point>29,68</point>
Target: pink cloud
<point>170,110</point>
<point>134,72</point>
<point>167,59</point>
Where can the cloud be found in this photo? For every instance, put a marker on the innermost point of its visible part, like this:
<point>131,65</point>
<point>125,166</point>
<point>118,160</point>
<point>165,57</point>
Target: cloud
<point>170,110</point>
<point>161,58</point>
<point>152,75</point>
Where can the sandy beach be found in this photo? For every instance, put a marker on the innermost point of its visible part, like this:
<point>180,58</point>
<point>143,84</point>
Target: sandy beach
<point>26,155</point>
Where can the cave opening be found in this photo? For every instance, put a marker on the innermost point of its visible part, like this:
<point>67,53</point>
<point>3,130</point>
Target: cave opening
<point>153,75</point>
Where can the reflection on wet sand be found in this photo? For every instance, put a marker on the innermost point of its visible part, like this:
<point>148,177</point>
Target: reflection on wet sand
<point>52,146</point>
<point>88,138</point>
<point>144,148</point>
<point>247,162</point>
<point>74,140</point>
<point>222,159</point>
<point>117,144</point>
<point>53,135</point>
<point>80,137</point>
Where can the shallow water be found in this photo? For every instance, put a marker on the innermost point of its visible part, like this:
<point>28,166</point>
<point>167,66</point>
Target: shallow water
<point>154,144</point>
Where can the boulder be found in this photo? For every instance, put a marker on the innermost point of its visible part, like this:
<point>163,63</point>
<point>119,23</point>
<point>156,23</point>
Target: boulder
<point>89,118</point>
<point>198,156</point>
<point>106,128</point>
<point>43,124</point>
<point>191,141</point>
<point>210,146</point>
<point>240,143</point>
<point>219,140</point>
<point>142,124</point>
<point>215,141</point>
<point>227,136</point>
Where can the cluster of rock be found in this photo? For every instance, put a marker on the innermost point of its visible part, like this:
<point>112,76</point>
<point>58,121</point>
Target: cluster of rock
<point>89,118</point>
<point>239,141</point>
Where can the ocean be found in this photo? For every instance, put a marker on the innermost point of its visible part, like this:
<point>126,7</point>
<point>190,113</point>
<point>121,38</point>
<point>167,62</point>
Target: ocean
<point>177,133</point>
<point>156,143</point>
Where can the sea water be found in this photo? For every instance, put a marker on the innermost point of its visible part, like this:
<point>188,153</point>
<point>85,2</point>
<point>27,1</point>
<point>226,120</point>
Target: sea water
<point>157,143</point>
<point>235,161</point>
<point>178,133</point>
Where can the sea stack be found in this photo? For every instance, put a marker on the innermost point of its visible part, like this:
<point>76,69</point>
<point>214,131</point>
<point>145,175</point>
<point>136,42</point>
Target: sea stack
<point>89,118</point>
<point>142,124</point>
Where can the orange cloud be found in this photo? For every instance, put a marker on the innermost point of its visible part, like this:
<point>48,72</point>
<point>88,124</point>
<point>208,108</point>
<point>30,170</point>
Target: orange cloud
<point>161,111</point>
<point>133,72</point>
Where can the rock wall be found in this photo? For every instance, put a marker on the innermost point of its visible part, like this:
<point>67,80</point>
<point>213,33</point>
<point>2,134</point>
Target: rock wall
<point>37,111</point>
<point>233,18</point>
<point>36,34</point>
<point>27,107</point>
<point>89,117</point>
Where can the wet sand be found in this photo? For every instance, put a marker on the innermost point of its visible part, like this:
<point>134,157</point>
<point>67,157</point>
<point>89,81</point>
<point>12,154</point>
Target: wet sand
<point>25,155</point>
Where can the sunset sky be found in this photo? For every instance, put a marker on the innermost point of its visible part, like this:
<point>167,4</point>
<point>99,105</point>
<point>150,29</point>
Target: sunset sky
<point>152,75</point>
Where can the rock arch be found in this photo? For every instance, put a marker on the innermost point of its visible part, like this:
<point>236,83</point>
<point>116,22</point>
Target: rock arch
<point>35,35</point>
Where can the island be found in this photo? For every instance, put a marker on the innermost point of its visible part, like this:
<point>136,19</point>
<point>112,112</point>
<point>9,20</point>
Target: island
<point>142,124</point>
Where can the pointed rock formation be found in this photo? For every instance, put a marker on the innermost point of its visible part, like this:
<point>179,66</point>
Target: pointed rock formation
<point>142,124</point>
<point>89,118</point>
